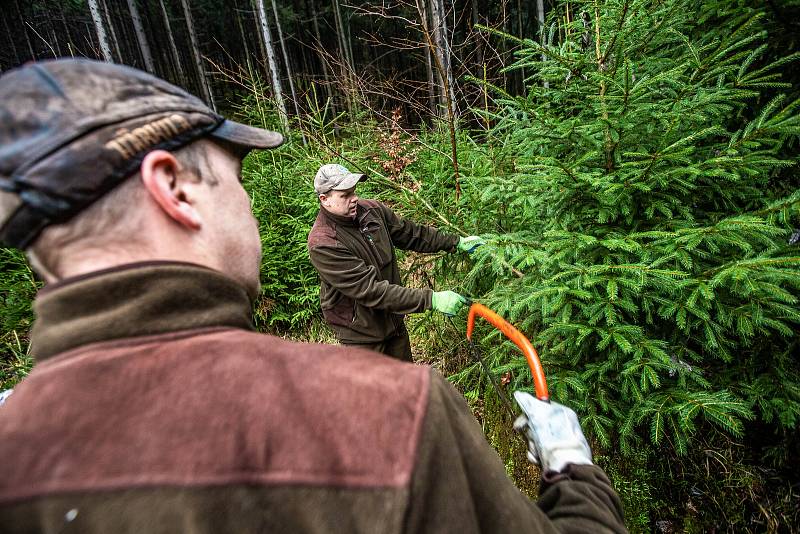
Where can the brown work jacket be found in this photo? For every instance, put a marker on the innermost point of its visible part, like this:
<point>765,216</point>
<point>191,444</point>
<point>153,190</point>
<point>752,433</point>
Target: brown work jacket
<point>360,289</point>
<point>154,408</point>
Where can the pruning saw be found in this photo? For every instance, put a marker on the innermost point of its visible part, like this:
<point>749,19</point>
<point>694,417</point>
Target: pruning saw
<point>519,339</point>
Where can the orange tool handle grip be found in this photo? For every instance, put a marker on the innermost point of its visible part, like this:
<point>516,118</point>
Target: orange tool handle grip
<point>519,340</point>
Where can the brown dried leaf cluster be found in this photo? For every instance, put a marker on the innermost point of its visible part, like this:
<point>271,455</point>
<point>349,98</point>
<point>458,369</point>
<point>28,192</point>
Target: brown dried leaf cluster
<point>399,151</point>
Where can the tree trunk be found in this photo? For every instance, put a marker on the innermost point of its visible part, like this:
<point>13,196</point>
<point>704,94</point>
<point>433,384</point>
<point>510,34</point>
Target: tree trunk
<point>198,63</point>
<point>288,66</point>
<point>436,25</point>
<point>241,32</point>
<point>67,31</point>
<point>540,19</point>
<point>54,37</point>
<point>175,55</point>
<point>321,52</point>
<point>475,22</point>
<point>11,41</point>
<point>440,69</point>
<point>144,47</point>
<point>24,31</point>
<point>423,13</point>
<point>285,55</point>
<point>99,27</point>
<point>111,31</point>
<point>273,65</point>
<point>347,65</point>
<point>443,53</point>
<point>447,52</point>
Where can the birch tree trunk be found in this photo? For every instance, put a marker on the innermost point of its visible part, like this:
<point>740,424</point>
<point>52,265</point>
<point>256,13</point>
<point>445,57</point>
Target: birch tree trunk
<point>347,65</point>
<point>429,36</point>
<point>447,53</point>
<point>445,74</point>
<point>198,63</point>
<point>175,55</point>
<point>99,27</point>
<point>273,65</point>
<point>436,26</point>
<point>288,65</point>
<point>144,47</point>
<point>540,19</point>
<point>422,10</point>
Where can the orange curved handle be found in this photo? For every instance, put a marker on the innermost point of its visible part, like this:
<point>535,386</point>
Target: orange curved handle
<point>519,339</point>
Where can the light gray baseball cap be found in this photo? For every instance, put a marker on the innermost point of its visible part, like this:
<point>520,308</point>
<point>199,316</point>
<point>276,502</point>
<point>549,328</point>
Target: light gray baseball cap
<point>335,177</point>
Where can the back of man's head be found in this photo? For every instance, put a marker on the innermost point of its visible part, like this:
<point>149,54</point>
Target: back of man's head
<point>73,131</point>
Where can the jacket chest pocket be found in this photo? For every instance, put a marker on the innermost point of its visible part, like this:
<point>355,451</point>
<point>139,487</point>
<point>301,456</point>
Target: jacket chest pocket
<point>378,242</point>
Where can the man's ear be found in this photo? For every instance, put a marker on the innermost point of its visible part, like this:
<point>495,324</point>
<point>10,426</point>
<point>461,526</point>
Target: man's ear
<point>160,170</point>
<point>323,198</point>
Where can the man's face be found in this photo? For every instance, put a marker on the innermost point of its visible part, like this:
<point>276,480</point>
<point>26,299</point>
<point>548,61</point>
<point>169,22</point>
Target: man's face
<point>341,203</point>
<point>234,229</point>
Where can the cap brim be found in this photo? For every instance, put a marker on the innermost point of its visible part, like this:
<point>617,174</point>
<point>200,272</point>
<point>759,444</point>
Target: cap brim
<point>350,181</point>
<point>247,136</point>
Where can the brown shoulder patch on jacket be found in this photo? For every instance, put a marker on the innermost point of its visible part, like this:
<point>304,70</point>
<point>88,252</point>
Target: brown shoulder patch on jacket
<point>323,233</point>
<point>209,408</point>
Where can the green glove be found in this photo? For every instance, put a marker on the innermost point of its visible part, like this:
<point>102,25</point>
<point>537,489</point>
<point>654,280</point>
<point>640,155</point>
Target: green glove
<point>447,302</point>
<point>470,243</point>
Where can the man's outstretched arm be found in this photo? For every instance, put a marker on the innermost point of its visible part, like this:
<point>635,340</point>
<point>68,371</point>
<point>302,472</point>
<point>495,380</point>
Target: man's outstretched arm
<point>460,484</point>
<point>351,276</point>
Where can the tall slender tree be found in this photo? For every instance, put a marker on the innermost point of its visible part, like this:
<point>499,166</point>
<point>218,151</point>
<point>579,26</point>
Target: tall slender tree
<point>540,21</point>
<point>321,50</point>
<point>345,59</point>
<point>205,87</point>
<point>141,37</point>
<point>11,40</point>
<point>287,63</point>
<point>112,33</point>
<point>24,31</point>
<point>245,37</point>
<point>273,65</point>
<point>422,11</point>
<point>100,28</point>
<point>175,54</point>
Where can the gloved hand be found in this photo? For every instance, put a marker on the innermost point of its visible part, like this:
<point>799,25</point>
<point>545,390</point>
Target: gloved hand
<point>554,435</point>
<point>469,243</point>
<point>447,302</point>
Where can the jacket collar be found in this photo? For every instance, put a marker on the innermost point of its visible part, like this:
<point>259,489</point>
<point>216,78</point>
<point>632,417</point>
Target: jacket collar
<point>339,220</point>
<point>135,300</point>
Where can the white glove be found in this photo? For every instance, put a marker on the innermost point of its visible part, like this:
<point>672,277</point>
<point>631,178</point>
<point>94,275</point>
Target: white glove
<point>554,435</point>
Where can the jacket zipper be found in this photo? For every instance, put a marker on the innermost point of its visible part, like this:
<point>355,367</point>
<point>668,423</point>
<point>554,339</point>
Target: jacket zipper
<point>368,237</point>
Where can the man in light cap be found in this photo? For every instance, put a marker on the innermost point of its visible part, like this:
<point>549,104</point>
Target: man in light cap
<point>352,247</point>
<point>153,407</point>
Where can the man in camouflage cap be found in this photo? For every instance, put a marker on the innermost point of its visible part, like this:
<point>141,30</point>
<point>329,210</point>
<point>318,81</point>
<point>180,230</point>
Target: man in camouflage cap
<point>154,407</point>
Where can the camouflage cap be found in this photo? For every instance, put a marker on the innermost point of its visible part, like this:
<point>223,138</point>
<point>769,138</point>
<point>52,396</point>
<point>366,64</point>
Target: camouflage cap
<point>334,177</point>
<point>73,129</point>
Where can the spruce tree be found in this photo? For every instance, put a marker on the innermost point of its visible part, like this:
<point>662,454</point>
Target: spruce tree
<point>659,281</point>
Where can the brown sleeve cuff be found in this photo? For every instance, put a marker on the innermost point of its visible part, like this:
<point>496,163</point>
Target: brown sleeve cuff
<point>572,472</point>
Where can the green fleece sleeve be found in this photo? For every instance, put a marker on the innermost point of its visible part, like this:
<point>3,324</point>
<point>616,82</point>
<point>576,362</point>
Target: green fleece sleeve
<point>409,235</point>
<point>460,484</point>
<point>351,276</point>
